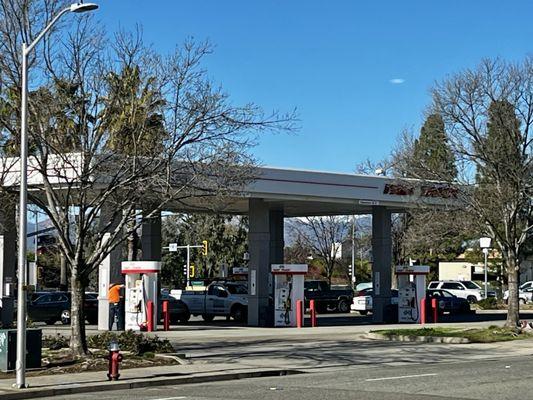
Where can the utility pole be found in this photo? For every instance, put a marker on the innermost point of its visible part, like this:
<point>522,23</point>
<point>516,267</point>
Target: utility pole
<point>353,252</point>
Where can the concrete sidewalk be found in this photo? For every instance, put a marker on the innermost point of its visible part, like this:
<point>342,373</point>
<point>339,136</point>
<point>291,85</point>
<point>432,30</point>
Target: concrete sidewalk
<point>244,352</point>
<point>86,382</point>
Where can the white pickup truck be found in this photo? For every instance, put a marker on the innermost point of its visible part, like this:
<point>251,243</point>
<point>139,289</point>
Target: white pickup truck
<point>228,299</point>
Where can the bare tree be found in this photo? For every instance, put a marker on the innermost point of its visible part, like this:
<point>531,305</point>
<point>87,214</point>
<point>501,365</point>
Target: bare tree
<point>323,235</point>
<point>119,128</point>
<point>488,112</point>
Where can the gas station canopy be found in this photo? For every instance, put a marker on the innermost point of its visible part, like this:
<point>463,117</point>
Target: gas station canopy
<point>312,193</point>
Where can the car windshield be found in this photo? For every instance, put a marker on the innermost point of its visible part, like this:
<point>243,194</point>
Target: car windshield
<point>470,285</point>
<point>445,293</point>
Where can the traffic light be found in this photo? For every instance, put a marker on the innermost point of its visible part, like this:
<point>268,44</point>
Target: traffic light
<point>191,271</point>
<point>204,248</point>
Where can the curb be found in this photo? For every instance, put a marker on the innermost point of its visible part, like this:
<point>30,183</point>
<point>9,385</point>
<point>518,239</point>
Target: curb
<point>413,338</point>
<point>121,385</point>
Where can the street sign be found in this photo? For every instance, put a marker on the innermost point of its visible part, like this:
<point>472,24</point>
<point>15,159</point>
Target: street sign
<point>172,247</point>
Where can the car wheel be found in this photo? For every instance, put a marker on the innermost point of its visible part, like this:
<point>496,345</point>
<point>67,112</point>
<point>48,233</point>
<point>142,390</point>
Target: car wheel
<point>208,317</point>
<point>471,299</point>
<point>238,313</point>
<point>185,317</point>
<point>343,306</point>
<point>65,317</point>
<point>364,312</point>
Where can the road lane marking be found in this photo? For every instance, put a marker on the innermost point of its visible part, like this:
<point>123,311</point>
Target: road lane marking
<point>172,398</point>
<point>398,377</point>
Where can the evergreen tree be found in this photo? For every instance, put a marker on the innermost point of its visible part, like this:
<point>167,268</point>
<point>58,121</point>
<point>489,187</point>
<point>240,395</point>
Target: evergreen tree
<point>432,156</point>
<point>501,148</point>
<point>431,236</point>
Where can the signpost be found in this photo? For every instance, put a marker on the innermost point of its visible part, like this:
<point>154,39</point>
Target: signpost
<point>173,247</point>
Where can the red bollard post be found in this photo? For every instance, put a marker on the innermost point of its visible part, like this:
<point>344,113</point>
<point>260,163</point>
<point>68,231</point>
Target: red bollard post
<point>150,316</point>
<point>312,307</point>
<point>166,316</point>
<point>423,311</point>
<point>299,313</point>
<point>435,309</point>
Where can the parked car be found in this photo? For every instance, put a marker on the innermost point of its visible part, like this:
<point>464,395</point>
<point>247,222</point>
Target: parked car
<point>50,307</point>
<point>525,293</point>
<point>363,286</point>
<point>326,297</point>
<point>468,290</point>
<point>229,299</point>
<point>448,302</point>
<point>178,309</point>
<point>362,302</point>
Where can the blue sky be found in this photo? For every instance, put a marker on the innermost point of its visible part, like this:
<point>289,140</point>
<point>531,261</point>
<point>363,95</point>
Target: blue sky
<point>334,61</point>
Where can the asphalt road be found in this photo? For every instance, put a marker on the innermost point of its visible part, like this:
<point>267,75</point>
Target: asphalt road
<point>498,379</point>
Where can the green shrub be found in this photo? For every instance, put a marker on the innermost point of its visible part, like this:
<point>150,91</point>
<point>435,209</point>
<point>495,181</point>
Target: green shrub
<point>488,303</point>
<point>55,342</point>
<point>136,343</point>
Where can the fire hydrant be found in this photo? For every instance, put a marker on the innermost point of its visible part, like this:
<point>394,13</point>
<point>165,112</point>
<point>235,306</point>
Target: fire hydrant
<point>114,358</point>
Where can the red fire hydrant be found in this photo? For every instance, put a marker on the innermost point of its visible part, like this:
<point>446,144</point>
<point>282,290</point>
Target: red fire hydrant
<point>114,358</point>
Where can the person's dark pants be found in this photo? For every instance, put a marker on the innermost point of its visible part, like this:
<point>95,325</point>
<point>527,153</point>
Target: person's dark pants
<point>115,314</point>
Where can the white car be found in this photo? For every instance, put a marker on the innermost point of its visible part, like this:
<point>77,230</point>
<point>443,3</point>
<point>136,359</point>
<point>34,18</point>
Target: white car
<point>465,289</point>
<point>362,302</point>
<point>525,293</point>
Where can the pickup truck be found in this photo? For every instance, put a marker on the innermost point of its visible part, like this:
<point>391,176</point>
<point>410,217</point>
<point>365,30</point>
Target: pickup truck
<point>327,298</point>
<point>229,299</point>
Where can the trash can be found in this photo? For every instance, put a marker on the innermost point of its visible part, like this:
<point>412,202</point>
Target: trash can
<point>8,348</point>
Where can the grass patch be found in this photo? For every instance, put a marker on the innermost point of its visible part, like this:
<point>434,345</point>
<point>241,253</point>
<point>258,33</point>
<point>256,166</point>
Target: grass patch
<point>475,335</point>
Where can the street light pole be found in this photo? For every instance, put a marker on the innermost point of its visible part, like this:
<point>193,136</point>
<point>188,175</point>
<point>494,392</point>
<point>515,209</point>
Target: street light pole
<point>485,243</point>
<point>486,252</point>
<point>20,365</point>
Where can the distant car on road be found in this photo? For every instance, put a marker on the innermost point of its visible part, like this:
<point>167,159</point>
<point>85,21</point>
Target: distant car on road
<point>447,302</point>
<point>362,302</point>
<point>50,307</point>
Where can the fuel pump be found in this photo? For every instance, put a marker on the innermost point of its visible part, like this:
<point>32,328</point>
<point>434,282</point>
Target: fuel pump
<point>141,288</point>
<point>411,289</point>
<point>288,289</point>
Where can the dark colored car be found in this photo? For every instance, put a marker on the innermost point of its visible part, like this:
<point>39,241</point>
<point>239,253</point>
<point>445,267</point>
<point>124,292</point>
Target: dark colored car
<point>50,307</point>
<point>178,310</point>
<point>448,302</point>
<point>327,298</point>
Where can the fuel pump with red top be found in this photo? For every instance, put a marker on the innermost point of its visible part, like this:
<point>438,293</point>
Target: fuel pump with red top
<point>141,294</point>
<point>411,290</point>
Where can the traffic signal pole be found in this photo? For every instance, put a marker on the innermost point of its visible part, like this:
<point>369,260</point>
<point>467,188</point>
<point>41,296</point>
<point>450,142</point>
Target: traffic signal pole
<point>188,281</point>
<point>173,247</point>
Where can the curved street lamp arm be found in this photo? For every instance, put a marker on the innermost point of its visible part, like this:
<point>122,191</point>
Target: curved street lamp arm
<point>45,30</point>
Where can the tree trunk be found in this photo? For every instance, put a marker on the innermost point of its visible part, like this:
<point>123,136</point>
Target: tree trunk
<point>63,281</point>
<point>78,341</point>
<point>512,279</point>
